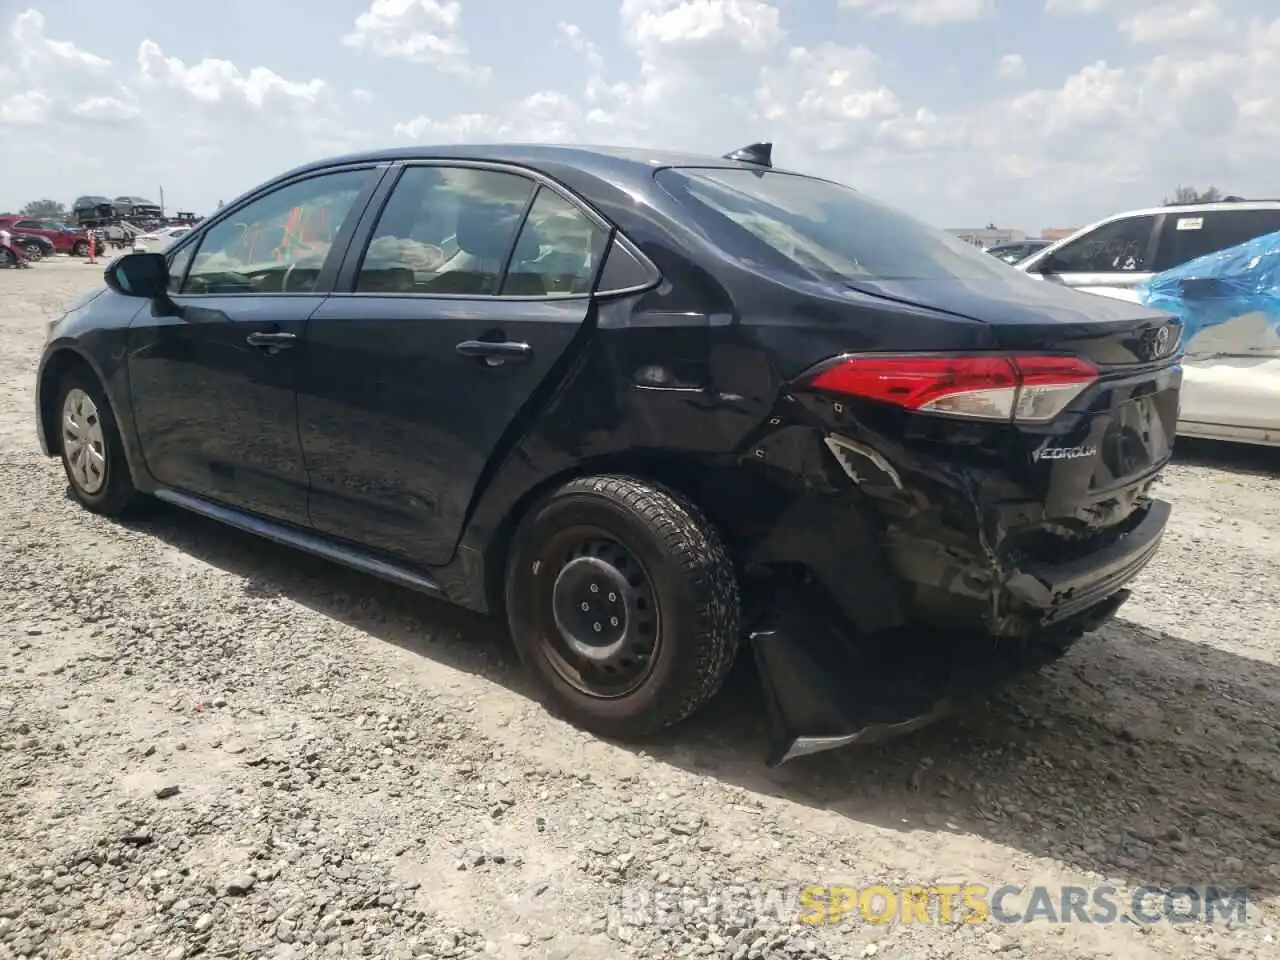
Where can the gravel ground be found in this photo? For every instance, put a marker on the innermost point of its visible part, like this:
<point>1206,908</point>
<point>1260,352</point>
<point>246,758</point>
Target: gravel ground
<point>212,746</point>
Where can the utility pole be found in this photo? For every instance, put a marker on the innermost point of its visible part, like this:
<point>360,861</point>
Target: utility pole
<point>162,199</point>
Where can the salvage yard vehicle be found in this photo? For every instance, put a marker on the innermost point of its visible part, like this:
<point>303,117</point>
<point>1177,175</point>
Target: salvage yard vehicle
<point>158,240</point>
<point>1127,249</point>
<point>1015,250</point>
<point>1229,306</point>
<point>33,246</point>
<point>64,239</point>
<point>647,406</point>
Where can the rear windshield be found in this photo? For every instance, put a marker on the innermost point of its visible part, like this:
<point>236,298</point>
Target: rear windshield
<point>827,229</point>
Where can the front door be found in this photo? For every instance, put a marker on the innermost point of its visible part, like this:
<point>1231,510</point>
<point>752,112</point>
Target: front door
<point>420,366</point>
<point>213,376</point>
<point>1116,254</point>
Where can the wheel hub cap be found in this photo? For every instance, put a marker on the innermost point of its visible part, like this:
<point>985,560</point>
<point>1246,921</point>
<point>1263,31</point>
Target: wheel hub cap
<point>601,616</point>
<point>82,441</point>
<point>591,600</point>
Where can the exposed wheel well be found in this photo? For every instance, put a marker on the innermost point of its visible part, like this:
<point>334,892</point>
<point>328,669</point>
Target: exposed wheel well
<point>740,504</point>
<point>58,366</point>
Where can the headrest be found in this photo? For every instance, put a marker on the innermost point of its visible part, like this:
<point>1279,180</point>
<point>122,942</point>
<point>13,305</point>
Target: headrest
<point>484,227</point>
<point>530,245</point>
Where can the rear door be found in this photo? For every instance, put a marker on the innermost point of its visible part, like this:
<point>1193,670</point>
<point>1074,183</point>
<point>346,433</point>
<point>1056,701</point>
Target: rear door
<point>213,377</point>
<point>1118,253</point>
<point>1184,237</point>
<point>453,318</point>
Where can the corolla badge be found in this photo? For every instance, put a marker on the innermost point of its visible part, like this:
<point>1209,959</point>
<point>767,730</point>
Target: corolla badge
<point>1063,453</point>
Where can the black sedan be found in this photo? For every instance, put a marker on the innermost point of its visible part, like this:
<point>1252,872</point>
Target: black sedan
<point>650,408</point>
<point>31,246</point>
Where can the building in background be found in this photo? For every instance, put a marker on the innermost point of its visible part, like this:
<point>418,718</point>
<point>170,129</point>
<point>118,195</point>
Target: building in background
<point>1054,234</point>
<point>986,236</point>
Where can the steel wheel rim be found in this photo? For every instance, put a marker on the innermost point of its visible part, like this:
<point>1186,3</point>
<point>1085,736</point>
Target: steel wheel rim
<point>619,658</point>
<point>82,442</point>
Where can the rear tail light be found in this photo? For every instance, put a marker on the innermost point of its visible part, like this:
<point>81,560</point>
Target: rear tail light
<point>1012,389</point>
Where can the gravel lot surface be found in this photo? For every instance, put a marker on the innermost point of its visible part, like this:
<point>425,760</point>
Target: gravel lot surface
<point>213,746</point>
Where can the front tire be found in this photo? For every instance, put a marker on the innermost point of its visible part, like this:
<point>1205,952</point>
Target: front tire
<point>81,249</point>
<point>623,605</point>
<point>91,447</point>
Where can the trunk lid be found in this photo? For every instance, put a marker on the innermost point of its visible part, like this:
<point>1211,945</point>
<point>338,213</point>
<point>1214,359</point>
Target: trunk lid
<point>1026,314</point>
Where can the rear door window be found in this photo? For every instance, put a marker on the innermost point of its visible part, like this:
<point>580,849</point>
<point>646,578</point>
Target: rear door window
<point>1187,236</point>
<point>1120,246</point>
<point>446,230</point>
<point>559,250</point>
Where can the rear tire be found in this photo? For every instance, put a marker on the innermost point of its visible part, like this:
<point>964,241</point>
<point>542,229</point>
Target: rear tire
<point>6,259</point>
<point>91,447</point>
<point>623,605</point>
<point>33,253</point>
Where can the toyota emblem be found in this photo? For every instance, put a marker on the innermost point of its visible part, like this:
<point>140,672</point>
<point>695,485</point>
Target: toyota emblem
<point>1161,345</point>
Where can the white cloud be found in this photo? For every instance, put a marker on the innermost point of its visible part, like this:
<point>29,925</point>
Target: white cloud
<point>1078,6</point>
<point>1011,65</point>
<point>24,108</point>
<point>703,75</point>
<point>570,34</point>
<point>925,13</point>
<point>420,31</point>
<point>159,118</point>
<point>1202,21</point>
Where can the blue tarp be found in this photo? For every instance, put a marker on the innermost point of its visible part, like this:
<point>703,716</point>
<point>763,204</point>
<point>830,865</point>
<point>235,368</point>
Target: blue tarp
<point>1218,287</point>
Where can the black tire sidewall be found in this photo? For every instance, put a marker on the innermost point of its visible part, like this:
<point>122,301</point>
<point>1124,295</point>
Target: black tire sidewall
<point>663,697</point>
<point>80,249</point>
<point>117,493</point>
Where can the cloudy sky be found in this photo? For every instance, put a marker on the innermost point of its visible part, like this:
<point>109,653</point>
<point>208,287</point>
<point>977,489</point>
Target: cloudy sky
<point>1029,113</point>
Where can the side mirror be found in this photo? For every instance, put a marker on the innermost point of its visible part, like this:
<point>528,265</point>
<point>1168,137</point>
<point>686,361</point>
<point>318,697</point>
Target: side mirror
<point>143,275</point>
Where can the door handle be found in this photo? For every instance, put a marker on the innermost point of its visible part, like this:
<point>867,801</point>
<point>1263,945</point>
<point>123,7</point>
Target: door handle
<point>272,341</point>
<point>495,349</point>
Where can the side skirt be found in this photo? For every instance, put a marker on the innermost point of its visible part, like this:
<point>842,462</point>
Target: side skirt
<point>307,542</point>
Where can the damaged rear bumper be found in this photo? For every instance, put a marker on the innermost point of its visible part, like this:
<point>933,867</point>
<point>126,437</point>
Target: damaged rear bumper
<point>1062,590</point>
<point>828,684</point>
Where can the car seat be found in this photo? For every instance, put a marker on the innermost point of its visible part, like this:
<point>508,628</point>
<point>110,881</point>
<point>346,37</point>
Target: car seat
<point>484,235</point>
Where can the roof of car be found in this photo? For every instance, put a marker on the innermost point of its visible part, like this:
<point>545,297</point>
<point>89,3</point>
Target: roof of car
<point>603,161</point>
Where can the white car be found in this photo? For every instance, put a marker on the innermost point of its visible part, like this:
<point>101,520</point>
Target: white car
<point>157,240</point>
<point>1231,374</point>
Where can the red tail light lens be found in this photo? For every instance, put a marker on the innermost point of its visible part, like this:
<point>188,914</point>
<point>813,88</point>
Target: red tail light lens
<point>1022,389</point>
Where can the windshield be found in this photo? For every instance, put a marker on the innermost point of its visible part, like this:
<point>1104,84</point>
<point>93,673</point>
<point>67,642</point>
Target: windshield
<point>827,229</point>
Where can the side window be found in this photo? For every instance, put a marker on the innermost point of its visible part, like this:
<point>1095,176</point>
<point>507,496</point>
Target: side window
<point>1116,247</point>
<point>445,230</point>
<point>29,225</point>
<point>178,264</point>
<point>277,243</point>
<point>623,270</point>
<point>1186,237</point>
<point>559,250</point>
